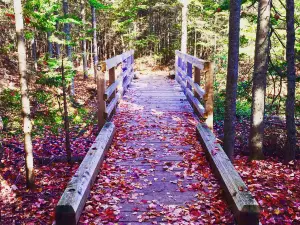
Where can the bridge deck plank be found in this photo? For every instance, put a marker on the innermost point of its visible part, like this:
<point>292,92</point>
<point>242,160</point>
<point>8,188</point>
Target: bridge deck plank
<point>153,151</point>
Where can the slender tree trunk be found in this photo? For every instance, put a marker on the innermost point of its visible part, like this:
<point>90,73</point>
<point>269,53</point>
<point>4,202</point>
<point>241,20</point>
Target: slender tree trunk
<point>184,26</point>
<point>27,127</point>
<point>262,44</point>
<point>57,46</point>
<point>94,41</point>
<point>195,43</point>
<point>232,77</point>
<point>84,57</point>
<point>291,82</point>
<point>50,45</point>
<point>66,115</point>
<point>67,29</point>
<point>33,47</point>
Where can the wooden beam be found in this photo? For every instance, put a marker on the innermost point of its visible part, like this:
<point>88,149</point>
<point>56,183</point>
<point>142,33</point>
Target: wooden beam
<point>197,89</point>
<point>113,62</point>
<point>101,86</point>
<point>199,63</point>
<point>112,80</point>
<point>112,105</point>
<point>111,89</point>
<point>189,74</point>
<point>71,203</point>
<point>197,80</point>
<point>199,109</point>
<point>244,206</point>
<point>209,100</point>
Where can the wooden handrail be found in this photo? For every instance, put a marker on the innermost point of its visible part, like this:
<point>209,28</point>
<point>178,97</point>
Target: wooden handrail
<point>184,66</point>
<point>108,97</point>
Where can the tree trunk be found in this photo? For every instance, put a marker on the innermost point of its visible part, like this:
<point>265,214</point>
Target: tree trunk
<point>33,47</point>
<point>57,45</point>
<point>27,127</point>
<point>262,44</point>
<point>291,81</point>
<point>50,45</point>
<point>84,57</point>
<point>66,115</point>
<point>94,41</point>
<point>232,77</point>
<point>184,27</point>
<point>195,43</point>
<point>68,39</point>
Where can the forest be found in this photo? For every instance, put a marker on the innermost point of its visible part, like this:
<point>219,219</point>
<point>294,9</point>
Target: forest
<point>65,124</point>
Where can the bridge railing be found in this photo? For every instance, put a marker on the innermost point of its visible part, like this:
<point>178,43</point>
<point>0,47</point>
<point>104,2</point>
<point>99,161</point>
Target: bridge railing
<point>188,70</point>
<point>120,72</point>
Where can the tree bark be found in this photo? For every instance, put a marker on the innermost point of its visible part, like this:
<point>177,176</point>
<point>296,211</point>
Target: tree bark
<point>57,45</point>
<point>27,126</point>
<point>184,26</point>
<point>84,57</point>
<point>232,77</point>
<point>94,41</point>
<point>50,45</point>
<point>67,29</point>
<point>291,82</point>
<point>66,115</point>
<point>33,47</point>
<point>261,57</point>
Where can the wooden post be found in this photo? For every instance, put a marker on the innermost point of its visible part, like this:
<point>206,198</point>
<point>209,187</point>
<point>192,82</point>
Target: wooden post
<point>112,79</point>
<point>189,73</point>
<point>197,81</point>
<point>209,95</point>
<point>101,85</point>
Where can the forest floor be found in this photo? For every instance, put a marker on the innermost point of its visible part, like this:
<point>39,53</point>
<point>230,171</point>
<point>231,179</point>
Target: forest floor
<point>274,185</point>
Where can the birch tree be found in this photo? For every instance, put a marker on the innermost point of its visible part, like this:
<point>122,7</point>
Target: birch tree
<point>27,126</point>
<point>184,26</point>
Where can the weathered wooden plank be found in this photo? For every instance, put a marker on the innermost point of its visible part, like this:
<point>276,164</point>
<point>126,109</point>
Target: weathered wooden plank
<point>196,87</point>
<point>194,102</point>
<point>199,63</point>
<point>114,61</point>
<point>101,86</point>
<point>71,203</point>
<point>181,82</point>
<point>111,89</point>
<point>209,99</point>
<point>111,106</point>
<point>182,72</point>
<point>244,206</point>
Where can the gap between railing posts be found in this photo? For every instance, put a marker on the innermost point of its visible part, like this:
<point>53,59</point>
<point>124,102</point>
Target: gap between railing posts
<point>188,71</point>
<point>119,78</point>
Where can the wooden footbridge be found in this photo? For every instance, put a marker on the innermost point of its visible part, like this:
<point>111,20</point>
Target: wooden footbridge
<point>156,159</point>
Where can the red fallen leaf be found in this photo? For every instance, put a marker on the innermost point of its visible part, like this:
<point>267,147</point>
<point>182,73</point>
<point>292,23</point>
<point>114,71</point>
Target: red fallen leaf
<point>10,15</point>
<point>241,188</point>
<point>144,201</point>
<point>195,213</point>
<point>181,190</point>
<point>290,211</point>
<point>27,20</point>
<point>136,209</point>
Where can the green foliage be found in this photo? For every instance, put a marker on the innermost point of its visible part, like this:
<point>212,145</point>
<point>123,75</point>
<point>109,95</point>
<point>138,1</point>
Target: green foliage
<point>97,5</point>
<point>53,77</point>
